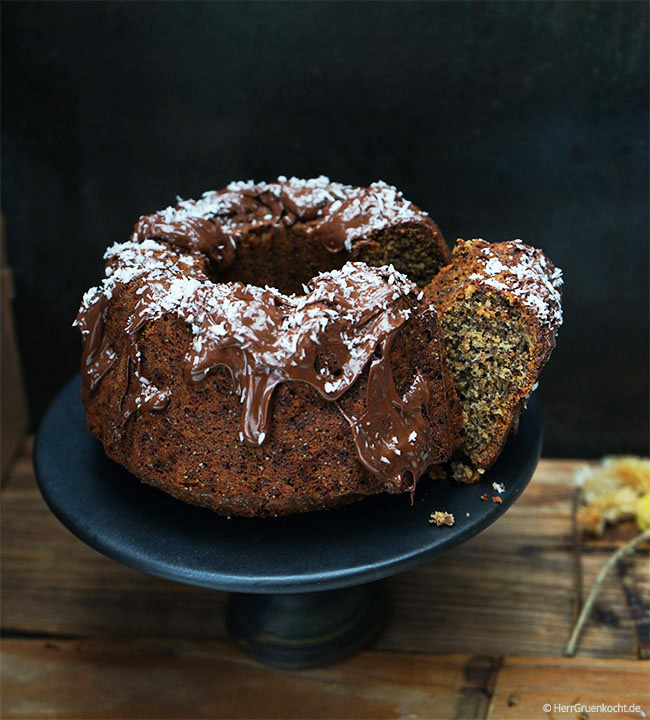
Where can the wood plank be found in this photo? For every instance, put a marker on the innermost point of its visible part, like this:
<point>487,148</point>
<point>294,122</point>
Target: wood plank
<point>21,474</point>
<point>523,603</point>
<point>525,685</point>
<point>135,678</point>
<point>525,606</point>
<point>635,579</point>
<point>509,590</point>
<point>13,405</point>
<point>53,583</point>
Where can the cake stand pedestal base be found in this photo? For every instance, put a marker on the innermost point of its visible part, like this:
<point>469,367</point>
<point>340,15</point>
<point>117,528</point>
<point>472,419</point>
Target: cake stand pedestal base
<point>314,568</point>
<point>301,630</point>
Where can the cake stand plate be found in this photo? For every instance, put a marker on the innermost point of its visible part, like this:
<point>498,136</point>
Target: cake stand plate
<point>304,590</point>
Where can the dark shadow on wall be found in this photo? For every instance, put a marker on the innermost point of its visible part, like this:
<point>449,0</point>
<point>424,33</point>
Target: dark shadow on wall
<point>501,119</point>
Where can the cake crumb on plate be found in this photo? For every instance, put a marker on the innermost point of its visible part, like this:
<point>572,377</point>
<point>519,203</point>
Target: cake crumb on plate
<point>441,517</point>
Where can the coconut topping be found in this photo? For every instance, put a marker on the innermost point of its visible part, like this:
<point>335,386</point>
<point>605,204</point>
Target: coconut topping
<point>527,274</point>
<point>338,215</point>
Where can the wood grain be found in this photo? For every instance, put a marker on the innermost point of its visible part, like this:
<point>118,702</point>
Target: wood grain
<point>163,678</point>
<point>635,578</point>
<point>524,685</point>
<point>510,589</point>
<point>135,678</point>
<point>13,405</point>
<point>477,632</point>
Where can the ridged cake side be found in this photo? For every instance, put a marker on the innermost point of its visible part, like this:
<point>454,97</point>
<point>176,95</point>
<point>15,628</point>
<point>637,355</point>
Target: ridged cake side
<point>252,402</point>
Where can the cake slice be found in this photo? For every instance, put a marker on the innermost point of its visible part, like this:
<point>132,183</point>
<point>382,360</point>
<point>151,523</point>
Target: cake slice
<point>500,308</point>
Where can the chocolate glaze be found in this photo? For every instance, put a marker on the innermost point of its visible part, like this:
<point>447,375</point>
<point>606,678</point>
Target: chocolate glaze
<point>139,393</point>
<point>335,214</point>
<point>97,356</point>
<point>192,233</point>
<point>324,338</point>
<point>265,338</point>
<point>393,431</point>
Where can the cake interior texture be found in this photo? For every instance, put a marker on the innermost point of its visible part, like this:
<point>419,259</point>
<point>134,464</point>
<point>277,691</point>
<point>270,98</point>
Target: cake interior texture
<point>500,309</point>
<point>488,347</point>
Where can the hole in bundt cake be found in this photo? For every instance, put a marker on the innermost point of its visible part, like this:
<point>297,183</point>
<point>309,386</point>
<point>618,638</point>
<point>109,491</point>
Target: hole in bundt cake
<point>284,260</point>
<point>281,259</point>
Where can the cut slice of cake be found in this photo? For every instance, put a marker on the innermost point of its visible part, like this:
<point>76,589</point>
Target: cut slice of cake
<point>500,308</point>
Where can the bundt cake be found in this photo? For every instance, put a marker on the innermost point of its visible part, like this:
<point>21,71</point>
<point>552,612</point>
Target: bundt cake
<point>261,352</point>
<point>500,309</point>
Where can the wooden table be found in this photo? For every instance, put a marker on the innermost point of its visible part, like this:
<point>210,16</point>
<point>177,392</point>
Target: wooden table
<point>476,633</point>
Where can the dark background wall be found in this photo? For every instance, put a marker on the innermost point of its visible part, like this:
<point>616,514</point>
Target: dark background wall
<point>501,119</point>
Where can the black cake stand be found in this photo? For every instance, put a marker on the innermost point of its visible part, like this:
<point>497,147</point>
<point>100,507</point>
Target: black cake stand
<point>304,588</point>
